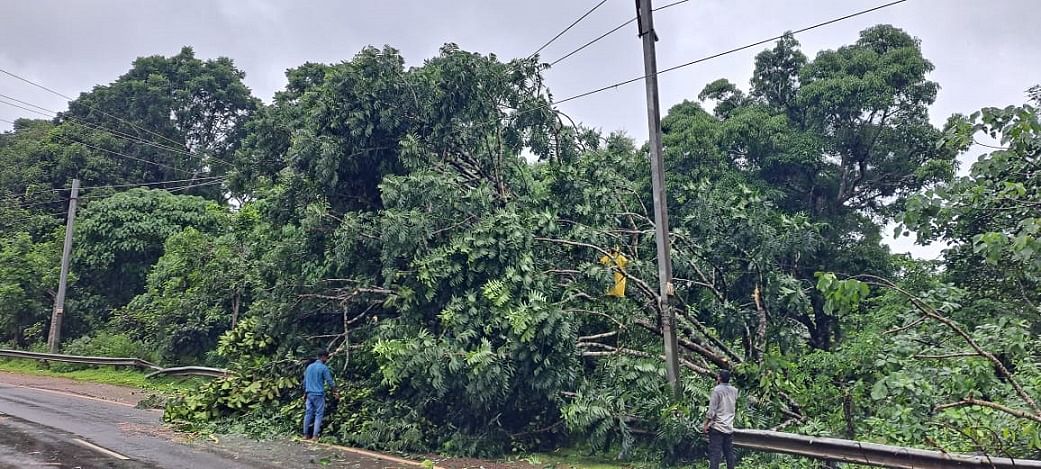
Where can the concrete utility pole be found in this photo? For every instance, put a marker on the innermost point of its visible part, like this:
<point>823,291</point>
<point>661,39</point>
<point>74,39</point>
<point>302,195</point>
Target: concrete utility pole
<point>54,338</point>
<point>645,23</point>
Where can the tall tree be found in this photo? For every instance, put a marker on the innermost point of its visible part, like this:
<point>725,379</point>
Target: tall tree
<point>842,138</point>
<point>183,112</point>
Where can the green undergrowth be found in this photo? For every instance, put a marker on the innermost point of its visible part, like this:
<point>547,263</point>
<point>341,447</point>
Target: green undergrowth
<point>116,376</point>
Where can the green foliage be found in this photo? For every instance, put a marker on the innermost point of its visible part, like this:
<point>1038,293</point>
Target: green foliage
<point>105,344</point>
<point>119,238</point>
<point>439,229</point>
<point>108,344</point>
<point>258,381</point>
<point>195,107</point>
<point>841,296</point>
<point>195,292</point>
<point>989,215</point>
<point>28,276</point>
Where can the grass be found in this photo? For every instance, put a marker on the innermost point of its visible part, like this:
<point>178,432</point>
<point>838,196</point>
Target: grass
<point>107,375</point>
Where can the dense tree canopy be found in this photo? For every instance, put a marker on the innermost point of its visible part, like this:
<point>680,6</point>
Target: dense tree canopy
<point>441,230</point>
<point>120,238</point>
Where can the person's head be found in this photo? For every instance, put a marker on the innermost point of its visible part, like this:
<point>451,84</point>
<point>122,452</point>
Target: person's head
<point>323,356</point>
<point>723,377</point>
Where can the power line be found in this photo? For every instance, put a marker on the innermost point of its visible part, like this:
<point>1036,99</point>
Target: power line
<point>111,151</point>
<point>731,51</point>
<point>612,31</point>
<point>54,114</point>
<point>145,184</point>
<point>583,46</point>
<point>129,156</point>
<point>27,103</point>
<point>33,204</point>
<point>191,186</point>
<point>167,189</point>
<point>197,182</point>
<point>26,80</point>
<point>572,25</point>
<point>101,128</point>
<point>548,106</point>
<point>24,109</point>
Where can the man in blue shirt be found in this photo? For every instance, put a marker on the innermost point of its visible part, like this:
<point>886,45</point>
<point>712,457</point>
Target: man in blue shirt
<point>316,376</point>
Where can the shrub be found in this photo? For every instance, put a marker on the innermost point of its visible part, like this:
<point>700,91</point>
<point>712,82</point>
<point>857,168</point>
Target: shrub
<point>104,344</point>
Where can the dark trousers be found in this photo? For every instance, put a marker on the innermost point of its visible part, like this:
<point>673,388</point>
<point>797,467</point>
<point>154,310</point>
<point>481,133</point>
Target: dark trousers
<point>720,445</point>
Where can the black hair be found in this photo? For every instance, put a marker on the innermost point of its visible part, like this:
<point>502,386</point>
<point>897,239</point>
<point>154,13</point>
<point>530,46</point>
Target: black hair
<point>724,376</point>
<point>323,354</point>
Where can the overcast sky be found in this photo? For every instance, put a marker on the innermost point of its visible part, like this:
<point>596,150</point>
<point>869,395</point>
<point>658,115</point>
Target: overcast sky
<point>986,53</point>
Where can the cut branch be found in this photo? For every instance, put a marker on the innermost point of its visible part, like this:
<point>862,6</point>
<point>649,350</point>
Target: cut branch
<point>947,355</point>
<point>992,405</point>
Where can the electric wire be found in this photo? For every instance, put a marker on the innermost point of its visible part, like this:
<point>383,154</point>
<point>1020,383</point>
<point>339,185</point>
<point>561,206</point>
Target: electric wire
<point>49,90</point>
<point>549,106</point>
<point>731,51</point>
<point>608,33</point>
<point>101,128</point>
<point>145,184</point>
<point>124,155</point>
<point>632,80</point>
<point>167,189</point>
<point>572,25</point>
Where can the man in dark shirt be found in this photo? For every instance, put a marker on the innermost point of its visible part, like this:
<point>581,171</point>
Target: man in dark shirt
<point>316,376</point>
<point>719,421</point>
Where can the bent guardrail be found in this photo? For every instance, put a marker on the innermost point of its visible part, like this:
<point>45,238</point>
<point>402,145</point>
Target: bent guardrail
<point>118,361</point>
<point>871,454</point>
<point>189,371</point>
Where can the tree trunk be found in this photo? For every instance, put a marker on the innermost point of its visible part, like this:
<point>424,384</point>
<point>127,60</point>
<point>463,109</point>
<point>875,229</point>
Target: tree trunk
<point>235,308</point>
<point>820,334</point>
<point>759,345</point>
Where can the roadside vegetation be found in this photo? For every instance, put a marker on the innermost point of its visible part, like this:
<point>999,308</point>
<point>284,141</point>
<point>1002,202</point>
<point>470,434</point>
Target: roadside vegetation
<point>121,377</point>
<point>441,230</point>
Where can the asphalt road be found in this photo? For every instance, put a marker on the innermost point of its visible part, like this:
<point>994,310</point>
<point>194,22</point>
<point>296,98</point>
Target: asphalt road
<point>42,428</point>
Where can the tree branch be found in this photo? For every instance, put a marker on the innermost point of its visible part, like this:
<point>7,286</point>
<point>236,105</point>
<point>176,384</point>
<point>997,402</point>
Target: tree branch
<point>935,315</point>
<point>992,405</point>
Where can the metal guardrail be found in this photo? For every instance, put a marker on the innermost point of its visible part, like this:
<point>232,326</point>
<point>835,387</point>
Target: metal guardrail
<point>114,361</point>
<point>117,361</point>
<point>189,371</point>
<point>869,453</point>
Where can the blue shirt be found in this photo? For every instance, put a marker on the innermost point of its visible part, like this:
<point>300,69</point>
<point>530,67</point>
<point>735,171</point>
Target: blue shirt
<point>315,378</point>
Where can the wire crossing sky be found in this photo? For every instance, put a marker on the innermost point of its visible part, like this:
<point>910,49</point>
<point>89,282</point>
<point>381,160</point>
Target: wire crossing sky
<point>72,46</point>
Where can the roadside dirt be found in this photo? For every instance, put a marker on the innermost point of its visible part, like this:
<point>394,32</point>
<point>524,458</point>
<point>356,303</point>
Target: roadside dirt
<point>108,392</point>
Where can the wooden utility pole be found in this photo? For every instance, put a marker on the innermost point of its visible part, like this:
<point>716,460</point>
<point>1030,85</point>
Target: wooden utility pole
<point>645,23</point>
<point>54,338</point>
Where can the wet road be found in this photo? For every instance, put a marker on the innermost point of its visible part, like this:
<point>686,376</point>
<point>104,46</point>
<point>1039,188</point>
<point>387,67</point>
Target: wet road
<point>42,428</point>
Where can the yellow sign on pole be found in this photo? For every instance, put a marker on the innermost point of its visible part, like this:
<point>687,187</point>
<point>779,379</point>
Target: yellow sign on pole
<point>619,261</point>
